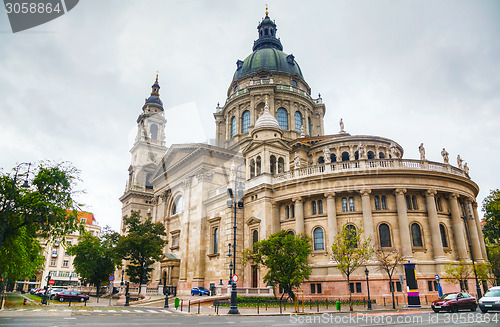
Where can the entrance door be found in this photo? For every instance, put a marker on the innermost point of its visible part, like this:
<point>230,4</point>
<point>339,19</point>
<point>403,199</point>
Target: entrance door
<point>254,276</point>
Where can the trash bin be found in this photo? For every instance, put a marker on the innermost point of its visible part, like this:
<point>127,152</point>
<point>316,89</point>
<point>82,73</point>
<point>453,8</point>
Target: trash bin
<point>176,302</point>
<point>337,305</point>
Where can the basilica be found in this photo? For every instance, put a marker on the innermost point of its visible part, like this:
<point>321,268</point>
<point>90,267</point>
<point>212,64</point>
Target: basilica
<point>271,168</point>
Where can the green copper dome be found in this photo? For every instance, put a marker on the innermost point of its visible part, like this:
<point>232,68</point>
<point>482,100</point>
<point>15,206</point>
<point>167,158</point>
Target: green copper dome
<point>267,58</point>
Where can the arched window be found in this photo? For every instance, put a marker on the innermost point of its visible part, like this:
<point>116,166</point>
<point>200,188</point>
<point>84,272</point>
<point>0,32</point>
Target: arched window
<point>292,211</point>
<point>376,199</point>
<point>153,132</point>
<point>444,240</point>
<point>233,126</point>
<point>320,207</point>
<point>255,237</point>
<point>384,234</point>
<point>414,202</point>
<point>345,156</point>
<point>298,121</point>
<point>178,205</point>
<point>216,241</point>
<point>351,204</point>
<point>149,183</point>
<point>319,240</point>
<point>313,205</point>
<point>252,168</point>
<point>321,160</point>
<point>236,88</point>
<point>384,202</point>
<point>281,165</point>
<point>381,155</point>
<point>333,157</point>
<point>371,155</point>
<point>356,155</point>
<point>258,166</point>
<point>351,234</point>
<point>245,121</point>
<point>344,205</point>
<point>408,202</point>
<point>290,232</point>
<point>416,235</point>
<point>282,117</point>
<point>310,125</point>
<point>273,165</point>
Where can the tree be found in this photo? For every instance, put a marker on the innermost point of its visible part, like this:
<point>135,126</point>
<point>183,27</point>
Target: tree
<point>494,259</point>
<point>458,273</point>
<point>142,246</point>
<point>350,253</point>
<point>491,208</point>
<point>483,272</point>
<point>96,258</point>
<point>45,209</point>
<point>389,262</point>
<point>285,256</point>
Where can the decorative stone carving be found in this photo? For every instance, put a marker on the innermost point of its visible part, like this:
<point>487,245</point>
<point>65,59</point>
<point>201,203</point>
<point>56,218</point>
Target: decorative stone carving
<point>296,161</point>
<point>186,182</point>
<point>421,149</point>
<point>400,191</point>
<point>330,195</point>
<point>466,169</point>
<point>445,155</point>
<point>361,151</point>
<point>302,133</point>
<point>430,192</point>
<point>460,162</point>
<point>341,126</point>
<point>394,151</point>
<point>365,192</point>
<point>205,175</point>
<point>326,154</point>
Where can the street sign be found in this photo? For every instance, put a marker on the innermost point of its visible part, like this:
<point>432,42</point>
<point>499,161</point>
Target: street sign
<point>235,278</point>
<point>401,279</point>
<point>437,277</point>
<point>51,282</point>
<point>111,278</point>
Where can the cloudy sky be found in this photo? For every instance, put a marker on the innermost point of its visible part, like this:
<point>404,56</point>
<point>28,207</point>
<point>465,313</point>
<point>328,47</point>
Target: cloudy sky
<point>412,71</point>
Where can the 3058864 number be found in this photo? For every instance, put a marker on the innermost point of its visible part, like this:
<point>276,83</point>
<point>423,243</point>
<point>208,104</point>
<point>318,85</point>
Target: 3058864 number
<point>32,8</point>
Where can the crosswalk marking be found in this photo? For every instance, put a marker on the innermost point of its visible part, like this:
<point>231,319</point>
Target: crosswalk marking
<point>165,311</point>
<point>111,311</point>
<point>152,311</point>
<point>139,311</point>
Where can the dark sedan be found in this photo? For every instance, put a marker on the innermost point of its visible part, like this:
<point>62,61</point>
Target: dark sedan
<point>199,291</point>
<point>455,301</point>
<point>72,296</point>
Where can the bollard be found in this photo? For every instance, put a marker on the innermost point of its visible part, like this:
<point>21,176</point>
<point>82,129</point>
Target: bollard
<point>337,305</point>
<point>166,300</point>
<point>189,306</point>
<point>266,304</point>
<point>317,306</point>
<point>182,303</point>
<point>258,310</point>
<point>280,308</point>
<point>199,307</point>
<point>85,301</point>
<point>384,301</point>
<point>397,301</point>
<point>326,304</point>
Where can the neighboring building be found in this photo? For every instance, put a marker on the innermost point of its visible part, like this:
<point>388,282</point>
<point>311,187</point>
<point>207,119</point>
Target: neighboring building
<point>294,178</point>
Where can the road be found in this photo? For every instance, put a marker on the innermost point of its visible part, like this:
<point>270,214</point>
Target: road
<point>160,317</point>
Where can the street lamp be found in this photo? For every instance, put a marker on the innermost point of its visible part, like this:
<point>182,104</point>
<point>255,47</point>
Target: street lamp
<point>122,278</point>
<point>478,289</point>
<point>230,265</point>
<point>368,288</point>
<point>25,184</point>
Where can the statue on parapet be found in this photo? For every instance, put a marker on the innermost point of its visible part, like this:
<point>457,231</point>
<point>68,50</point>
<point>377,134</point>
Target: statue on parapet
<point>341,126</point>
<point>326,154</point>
<point>421,149</point>
<point>460,162</point>
<point>361,151</point>
<point>466,169</point>
<point>445,155</point>
<point>296,161</point>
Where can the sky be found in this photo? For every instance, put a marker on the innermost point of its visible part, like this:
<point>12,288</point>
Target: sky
<point>412,71</point>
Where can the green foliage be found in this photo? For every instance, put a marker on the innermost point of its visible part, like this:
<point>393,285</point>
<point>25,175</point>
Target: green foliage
<point>458,273</point>
<point>142,246</point>
<point>96,258</point>
<point>46,209</point>
<point>350,252</point>
<point>491,208</point>
<point>493,251</point>
<point>285,255</point>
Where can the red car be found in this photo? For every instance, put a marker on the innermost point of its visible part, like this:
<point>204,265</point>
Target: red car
<point>455,301</point>
<point>72,296</point>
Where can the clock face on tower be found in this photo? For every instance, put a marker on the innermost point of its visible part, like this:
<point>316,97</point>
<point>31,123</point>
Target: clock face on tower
<point>151,156</point>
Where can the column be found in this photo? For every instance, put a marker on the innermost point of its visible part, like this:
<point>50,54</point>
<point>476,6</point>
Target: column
<point>299,215</point>
<point>473,234</point>
<point>367,215</point>
<point>479,231</point>
<point>437,244</point>
<point>404,228</point>
<point>458,227</point>
<point>275,218</point>
<point>331,212</point>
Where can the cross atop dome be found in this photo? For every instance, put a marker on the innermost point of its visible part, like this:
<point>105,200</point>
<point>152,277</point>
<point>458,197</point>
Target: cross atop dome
<point>155,94</point>
<point>267,35</point>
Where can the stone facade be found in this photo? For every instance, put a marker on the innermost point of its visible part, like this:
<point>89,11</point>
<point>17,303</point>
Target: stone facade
<point>272,152</point>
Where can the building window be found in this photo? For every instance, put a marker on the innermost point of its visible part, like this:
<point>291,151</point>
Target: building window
<point>282,117</point>
<point>351,234</point>
<point>319,241</point>
<point>255,237</point>
<point>351,204</point>
<point>294,82</point>
<point>310,126</point>
<point>298,121</point>
<point>83,220</point>
<point>321,160</point>
<point>384,235</point>
<point>316,288</point>
<point>444,240</point>
<point>414,202</point>
<point>252,168</point>
<point>290,232</point>
<point>345,156</point>
<point>153,132</point>
<point>149,183</point>
<point>371,155</point>
<point>432,285</point>
<point>438,204</point>
<point>178,205</point>
<point>287,212</point>
<point>344,204</point>
<point>381,155</point>
<point>175,241</point>
<point>416,235</point>
<point>398,287</point>
<point>384,202</point>
<point>245,121</point>
<point>281,165</point>
<point>320,207</point>
<point>216,241</point>
<point>65,263</point>
<point>376,199</point>
<point>355,287</point>
<point>52,262</point>
<point>333,157</point>
<point>233,126</point>
<point>313,205</point>
<point>258,165</point>
<point>408,202</point>
<point>292,209</point>
<point>273,165</point>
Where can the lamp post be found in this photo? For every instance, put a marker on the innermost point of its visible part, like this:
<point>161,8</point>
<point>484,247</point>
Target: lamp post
<point>478,289</point>
<point>236,196</point>
<point>368,288</point>
<point>122,277</point>
<point>25,184</point>
<point>230,265</point>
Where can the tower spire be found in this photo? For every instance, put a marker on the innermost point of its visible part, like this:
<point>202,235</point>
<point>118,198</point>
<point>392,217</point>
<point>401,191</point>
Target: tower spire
<point>267,12</point>
<point>267,35</point>
<point>155,94</point>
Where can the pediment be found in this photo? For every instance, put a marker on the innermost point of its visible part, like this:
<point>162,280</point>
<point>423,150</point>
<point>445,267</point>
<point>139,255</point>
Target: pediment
<point>253,220</point>
<point>276,143</point>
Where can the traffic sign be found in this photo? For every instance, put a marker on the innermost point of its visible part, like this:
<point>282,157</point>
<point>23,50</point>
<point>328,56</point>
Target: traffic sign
<point>51,282</point>
<point>111,278</point>
<point>437,277</point>
<point>401,279</point>
<point>235,278</point>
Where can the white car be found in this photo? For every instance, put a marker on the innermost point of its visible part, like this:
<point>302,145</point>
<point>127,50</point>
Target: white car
<point>53,292</point>
<point>490,300</point>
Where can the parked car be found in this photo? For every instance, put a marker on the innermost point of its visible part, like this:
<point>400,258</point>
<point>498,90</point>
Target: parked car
<point>490,300</point>
<point>72,296</point>
<point>52,293</point>
<point>199,291</point>
<point>40,292</point>
<point>455,301</point>
<point>34,290</point>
